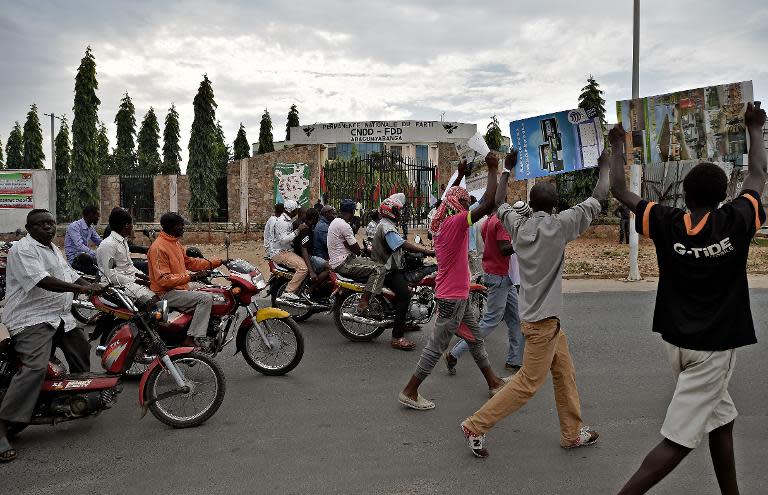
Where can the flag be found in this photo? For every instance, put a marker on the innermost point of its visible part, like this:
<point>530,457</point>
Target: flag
<point>377,193</point>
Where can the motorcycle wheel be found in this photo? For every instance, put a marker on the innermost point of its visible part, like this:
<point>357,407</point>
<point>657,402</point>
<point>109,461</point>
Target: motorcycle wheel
<point>356,332</point>
<point>287,347</point>
<point>135,370</point>
<point>298,314</point>
<point>197,406</point>
<point>81,314</point>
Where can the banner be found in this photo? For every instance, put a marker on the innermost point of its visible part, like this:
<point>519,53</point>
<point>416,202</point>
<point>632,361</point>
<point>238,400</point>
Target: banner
<point>695,124</point>
<point>556,143</point>
<point>16,190</point>
<point>382,131</point>
<point>292,182</point>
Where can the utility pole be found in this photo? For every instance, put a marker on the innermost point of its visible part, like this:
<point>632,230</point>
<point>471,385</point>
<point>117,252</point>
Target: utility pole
<point>634,169</point>
<point>52,187</point>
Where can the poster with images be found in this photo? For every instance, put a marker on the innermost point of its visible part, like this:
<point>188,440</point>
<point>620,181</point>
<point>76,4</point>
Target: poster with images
<point>556,143</point>
<point>16,190</point>
<point>292,182</point>
<point>695,124</point>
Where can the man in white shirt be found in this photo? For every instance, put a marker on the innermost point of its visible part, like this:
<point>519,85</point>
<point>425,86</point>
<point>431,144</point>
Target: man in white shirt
<point>269,227</point>
<point>114,249</point>
<point>38,315</point>
<point>281,250</point>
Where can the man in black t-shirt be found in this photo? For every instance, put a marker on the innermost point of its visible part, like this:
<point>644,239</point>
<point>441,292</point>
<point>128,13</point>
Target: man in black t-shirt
<point>303,245</point>
<point>702,303</point>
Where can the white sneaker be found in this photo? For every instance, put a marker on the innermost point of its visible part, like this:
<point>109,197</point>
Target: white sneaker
<point>587,436</point>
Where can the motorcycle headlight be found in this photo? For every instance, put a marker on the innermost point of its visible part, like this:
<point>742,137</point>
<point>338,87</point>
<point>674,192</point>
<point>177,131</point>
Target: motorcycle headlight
<point>257,279</point>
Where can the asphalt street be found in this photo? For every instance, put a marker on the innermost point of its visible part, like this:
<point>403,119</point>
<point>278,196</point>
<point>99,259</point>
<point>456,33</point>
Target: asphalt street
<point>334,425</point>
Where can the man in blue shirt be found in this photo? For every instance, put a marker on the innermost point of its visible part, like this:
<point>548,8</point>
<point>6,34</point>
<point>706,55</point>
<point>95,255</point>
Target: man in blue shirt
<point>320,239</point>
<point>79,255</point>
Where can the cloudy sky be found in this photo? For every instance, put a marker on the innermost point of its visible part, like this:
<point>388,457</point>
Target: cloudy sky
<point>344,60</point>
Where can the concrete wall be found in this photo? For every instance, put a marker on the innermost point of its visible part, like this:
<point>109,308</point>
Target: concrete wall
<point>15,218</point>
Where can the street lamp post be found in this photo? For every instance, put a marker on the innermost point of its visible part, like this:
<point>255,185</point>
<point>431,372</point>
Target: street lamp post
<point>634,169</point>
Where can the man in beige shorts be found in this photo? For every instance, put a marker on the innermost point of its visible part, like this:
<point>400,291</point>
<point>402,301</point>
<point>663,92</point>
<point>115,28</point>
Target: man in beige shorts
<point>702,303</point>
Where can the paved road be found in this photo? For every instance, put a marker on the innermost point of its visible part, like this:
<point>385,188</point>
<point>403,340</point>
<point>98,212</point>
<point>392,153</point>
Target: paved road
<point>334,426</point>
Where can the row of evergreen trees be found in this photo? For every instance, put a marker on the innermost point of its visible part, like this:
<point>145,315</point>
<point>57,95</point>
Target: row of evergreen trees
<point>83,157</point>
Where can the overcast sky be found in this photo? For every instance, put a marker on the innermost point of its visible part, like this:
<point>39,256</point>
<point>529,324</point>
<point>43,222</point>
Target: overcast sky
<point>378,61</point>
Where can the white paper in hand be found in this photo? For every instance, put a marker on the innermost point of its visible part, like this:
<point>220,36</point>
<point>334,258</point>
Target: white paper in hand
<point>477,143</point>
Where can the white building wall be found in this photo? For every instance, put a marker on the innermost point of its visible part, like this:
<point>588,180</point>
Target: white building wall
<point>15,218</point>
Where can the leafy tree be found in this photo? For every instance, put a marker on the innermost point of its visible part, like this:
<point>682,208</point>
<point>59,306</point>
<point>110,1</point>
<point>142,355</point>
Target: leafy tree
<point>14,148</point>
<point>1,154</point>
<point>293,121</point>
<point>63,149</point>
<point>149,144</point>
<point>171,148</point>
<point>592,97</point>
<point>125,153</point>
<point>241,146</point>
<point>33,140</point>
<point>201,168</point>
<point>83,186</point>
<point>103,156</point>
<point>265,134</point>
<point>493,136</point>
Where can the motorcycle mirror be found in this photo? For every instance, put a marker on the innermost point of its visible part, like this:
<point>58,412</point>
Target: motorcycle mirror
<point>417,239</point>
<point>194,252</point>
<point>227,240</point>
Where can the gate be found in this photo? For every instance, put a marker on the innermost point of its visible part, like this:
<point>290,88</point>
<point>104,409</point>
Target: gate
<point>138,197</point>
<point>370,179</point>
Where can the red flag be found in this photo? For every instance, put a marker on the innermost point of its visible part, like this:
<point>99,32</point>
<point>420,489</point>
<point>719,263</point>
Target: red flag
<point>376,193</point>
<point>323,186</point>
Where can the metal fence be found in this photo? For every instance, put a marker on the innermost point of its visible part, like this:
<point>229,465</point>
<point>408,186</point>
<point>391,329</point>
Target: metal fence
<point>371,178</point>
<point>138,197</point>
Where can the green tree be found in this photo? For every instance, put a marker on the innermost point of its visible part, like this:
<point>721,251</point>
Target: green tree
<point>83,186</point>
<point>149,144</point>
<point>265,134</point>
<point>2,162</point>
<point>592,97</point>
<point>223,151</point>
<point>125,153</point>
<point>14,148</point>
<point>103,156</point>
<point>63,149</point>
<point>241,146</point>
<point>33,140</point>
<point>201,168</point>
<point>171,148</point>
<point>293,121</point>
<point>493,136</point>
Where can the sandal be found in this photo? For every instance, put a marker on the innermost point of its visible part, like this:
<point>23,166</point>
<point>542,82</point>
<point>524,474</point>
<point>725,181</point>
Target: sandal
<point>402,344</point>
<point>7,453</point>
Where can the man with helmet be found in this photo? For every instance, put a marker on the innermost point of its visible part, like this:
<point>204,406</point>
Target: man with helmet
<point>344,259</point>
<point>387,249</point>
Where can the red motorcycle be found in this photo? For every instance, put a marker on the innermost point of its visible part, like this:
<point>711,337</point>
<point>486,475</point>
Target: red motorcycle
<point>181,387</point>
<point>269,339</point>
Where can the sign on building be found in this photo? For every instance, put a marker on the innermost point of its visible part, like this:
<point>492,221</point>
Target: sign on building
<point>16,190</point>
<point>292,182</point>
<point>378,131</point>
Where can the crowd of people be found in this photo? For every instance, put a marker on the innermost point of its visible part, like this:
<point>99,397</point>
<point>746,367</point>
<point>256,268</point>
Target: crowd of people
<point>702,306</point>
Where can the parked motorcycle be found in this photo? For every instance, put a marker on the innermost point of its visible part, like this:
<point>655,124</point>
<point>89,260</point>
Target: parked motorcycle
<point>181,387</point>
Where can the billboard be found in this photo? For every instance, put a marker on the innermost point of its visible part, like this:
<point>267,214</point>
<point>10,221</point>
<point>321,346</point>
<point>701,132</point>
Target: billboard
<point>556,143</point>
<point>695,124</point>
<point>16,190</point>
<point>292,182</point>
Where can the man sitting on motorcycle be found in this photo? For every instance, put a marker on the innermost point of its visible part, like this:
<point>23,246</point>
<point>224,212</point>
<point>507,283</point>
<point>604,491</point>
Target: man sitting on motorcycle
<point>343,251</point>
<point>38,316</point>
<point>168,277</point>
<point>388,249</point>
<point>79,233</point>
<point>304,246</point>
<point>114,258</point>
<point>327,214</point>
<point>281,249</point>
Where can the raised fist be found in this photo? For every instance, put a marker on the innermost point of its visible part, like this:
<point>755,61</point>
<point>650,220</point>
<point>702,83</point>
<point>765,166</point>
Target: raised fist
<point>616,135</point>
<point>511,160</point>
<point>754,117</point>
<point>492,161</point>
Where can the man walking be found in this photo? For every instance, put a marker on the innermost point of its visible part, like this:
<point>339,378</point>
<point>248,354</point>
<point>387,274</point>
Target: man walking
<point>539,241</point>
<point>623,213</point>
<point>702,303</point>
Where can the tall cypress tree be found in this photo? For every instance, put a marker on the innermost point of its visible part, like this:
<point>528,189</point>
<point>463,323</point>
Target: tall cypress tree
<point>83,186</point>
<point>201,168</point>
<point>149,144</point>
<point>241,146</point>
<point>592,97</point>
<point>63,157</point>
<point>2,162</point>
<point>171,148</point>
<point>125,152</point>
<point>265,134</point>
<point>14,148</point>
<point>493,137</point>
<point>103,156</point>
<point>293,121</point>
<point>33,140</point>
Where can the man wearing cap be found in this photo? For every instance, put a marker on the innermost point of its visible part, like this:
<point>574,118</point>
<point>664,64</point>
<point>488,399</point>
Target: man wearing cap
<point>281,249</point>
<point>168,277</point>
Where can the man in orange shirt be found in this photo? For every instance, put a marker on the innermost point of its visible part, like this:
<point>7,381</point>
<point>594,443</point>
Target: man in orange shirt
<point>168,277</point>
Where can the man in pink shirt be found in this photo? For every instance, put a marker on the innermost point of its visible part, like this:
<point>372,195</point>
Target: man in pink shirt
<point>452,222</point>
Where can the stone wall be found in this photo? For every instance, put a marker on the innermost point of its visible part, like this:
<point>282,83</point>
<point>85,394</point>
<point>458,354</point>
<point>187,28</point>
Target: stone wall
<point>182,191</point>
<point>109,196</point>
<point>162,193</point>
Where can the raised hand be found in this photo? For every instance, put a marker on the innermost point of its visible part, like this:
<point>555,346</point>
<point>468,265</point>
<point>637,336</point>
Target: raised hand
<point>462,168</point>
<point>492,161</point>
<point>604,160</point>
<point>754,117</point>
<point>510,162</point>
<point>617,135</point>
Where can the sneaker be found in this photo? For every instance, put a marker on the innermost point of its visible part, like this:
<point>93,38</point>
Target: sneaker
<point>290,296</point>
<point>450,363</point>
<point>587,436</point>
<point>475,442</point>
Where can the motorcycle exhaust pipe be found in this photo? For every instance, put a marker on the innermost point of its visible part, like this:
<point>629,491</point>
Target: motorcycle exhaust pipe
<point>366,321</point>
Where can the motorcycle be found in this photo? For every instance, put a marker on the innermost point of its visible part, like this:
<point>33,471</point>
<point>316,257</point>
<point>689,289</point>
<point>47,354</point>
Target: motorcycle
<point>5,246</point>
<point>318,302</point>
<point>268,338</point>
<point>180,387</point>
